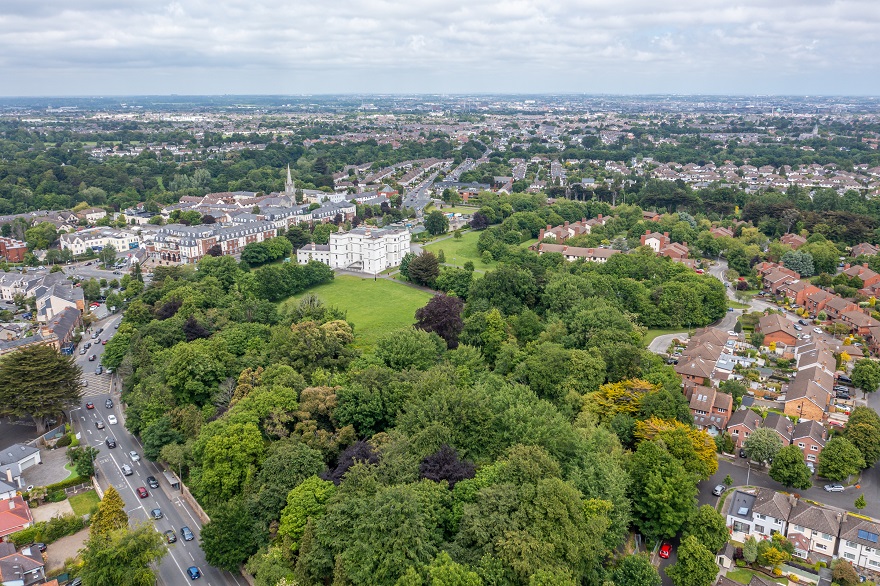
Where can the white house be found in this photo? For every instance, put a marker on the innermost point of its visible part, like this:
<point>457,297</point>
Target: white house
<point>370,250</point>
<point>819,528</point>
<point>96,239</point>
<point>860,542</point>
<point>759,512</point>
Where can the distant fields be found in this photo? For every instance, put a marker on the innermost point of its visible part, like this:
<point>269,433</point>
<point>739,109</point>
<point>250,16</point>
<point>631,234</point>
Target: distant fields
<point>375,307</point>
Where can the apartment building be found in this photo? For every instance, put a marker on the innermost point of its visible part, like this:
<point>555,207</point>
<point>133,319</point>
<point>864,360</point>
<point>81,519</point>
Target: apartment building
<point>364,249</point>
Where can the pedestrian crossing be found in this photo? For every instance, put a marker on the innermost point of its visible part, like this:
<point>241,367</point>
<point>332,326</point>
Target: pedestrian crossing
<point>98,384</point>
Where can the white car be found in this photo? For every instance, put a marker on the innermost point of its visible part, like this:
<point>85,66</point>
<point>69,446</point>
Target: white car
<point>817,330</point>
<point>111,419</point>
<point>833,488</point>
<point>134,456</point>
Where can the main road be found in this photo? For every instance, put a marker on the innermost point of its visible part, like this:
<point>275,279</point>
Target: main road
<point>175,512</point>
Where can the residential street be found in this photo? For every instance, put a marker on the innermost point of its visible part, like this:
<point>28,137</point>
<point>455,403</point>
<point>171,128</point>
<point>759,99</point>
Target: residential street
<point>176,513</point>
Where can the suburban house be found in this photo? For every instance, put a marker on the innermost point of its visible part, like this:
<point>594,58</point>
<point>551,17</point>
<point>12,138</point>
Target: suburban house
<point>710,408</point>
<point>810,437</point>
<point>862,271</point>
<point>742,424</point>
<point>15,515</point>
<point>793,240</point>
<point>12,250</point>
<point>655,240</point>
<point>572,253</point>
<point>569,230</point>
<point>781,425</point>
<point>96,239</point>
<point>837,306</point>
<point>721,232</point>
<point>91,215</point>
<point>760,512</point>
<point>777,329</point>
<point>21,568</point>
<point>20,455</point>
<point>695,371</point>
<point>798,290</point>
<point>864,249</point>
<point>860,542</point>
<point>815,302</point>
<point>859,322</point>
<point>818,526</point>
<point>775,279</point>
<point>809,394</point>
<point>56,298</point>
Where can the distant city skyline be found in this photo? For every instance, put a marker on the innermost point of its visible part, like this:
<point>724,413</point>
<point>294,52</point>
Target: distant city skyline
<point>98,47</point>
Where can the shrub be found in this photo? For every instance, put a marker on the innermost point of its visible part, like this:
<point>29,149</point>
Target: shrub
<point>63,441</point>
<point>72,481</point>
<point>57,496</point>
<point>48,531</point>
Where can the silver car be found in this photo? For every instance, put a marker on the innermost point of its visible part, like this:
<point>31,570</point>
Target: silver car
<point>719,490</point>
<point>126,469</point>
<point>134,456</point>
<point>834,488</point>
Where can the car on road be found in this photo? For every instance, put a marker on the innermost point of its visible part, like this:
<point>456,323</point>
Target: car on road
<point>797,327</point>
<point>665,550</point>
<point>817,330</point>
<point>833,488</point>
<point>99,369</point>
<point>111,419</point>
<point>170,536</point>
<point>156,513</point>
<point>93,357</point>
<point>108,403</point>
<point>99,424</point>
<point>719,490</point>
<point>194,573</point>
<point>126,470</point>
<point>87,345</point>
<point>152,482</point>
<point>83,350</point>
<point>111,442</point>
<point>90,405</point>
<point>142,492</point>
<point>803,322</point>
<point>134,456</point>
<point>186,533</point>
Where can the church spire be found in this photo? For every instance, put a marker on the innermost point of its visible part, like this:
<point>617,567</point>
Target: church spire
<point>288,185</point>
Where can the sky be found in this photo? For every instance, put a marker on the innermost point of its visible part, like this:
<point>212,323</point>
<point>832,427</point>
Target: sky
<point>743,47</point>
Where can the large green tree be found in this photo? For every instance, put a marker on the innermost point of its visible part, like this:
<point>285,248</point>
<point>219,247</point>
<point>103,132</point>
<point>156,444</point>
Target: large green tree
<point>709,527</point>
<point>436,223</point>
<point>110,516</point>
<point>863,431</point>
<point>107,256</point>
<point>636,570</point>
<point>840,459</point>
<point>306,500</point>
<point>124,557</point>
<point>695,566</point>
<point>424,269</point>
<point>230,538</point>
<point>866,375</point>
<point>789,468</point>
<point>38,382</point>
<point>762,445</point>
<point>662,490</point>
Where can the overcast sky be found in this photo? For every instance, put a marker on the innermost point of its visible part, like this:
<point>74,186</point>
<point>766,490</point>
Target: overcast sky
<point>101,47</point>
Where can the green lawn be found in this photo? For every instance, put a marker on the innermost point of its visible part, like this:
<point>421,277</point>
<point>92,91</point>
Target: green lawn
<point>460,250</point>
<point>459,210</point>
<point>743,576</point>
<point>84,502</point>
<point>375,307</point>
<point>736,304</point>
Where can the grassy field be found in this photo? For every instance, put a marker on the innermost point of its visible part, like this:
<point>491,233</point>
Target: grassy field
<point>84,502</point>
<point>458,209</point>
<point>460,250</point>
<point>743,576</point>
<point>374,307</point>
<point>736,304</point>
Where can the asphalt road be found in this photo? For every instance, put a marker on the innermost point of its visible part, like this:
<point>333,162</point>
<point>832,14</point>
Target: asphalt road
<point>175,512</point>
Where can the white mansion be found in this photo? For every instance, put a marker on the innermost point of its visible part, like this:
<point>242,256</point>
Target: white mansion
<point>366,249</point>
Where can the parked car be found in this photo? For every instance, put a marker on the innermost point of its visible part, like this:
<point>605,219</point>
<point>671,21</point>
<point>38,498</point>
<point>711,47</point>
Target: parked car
<point>40,546</point>
<point>156,513</point>
<point>83,350</point>
<point>170,536</point>
<point>194,573</point>
<point>134,456</point>
<point>103,342</point>
<point>665,550</point>
<point>803,322</point>
<point>833,488</point>
<point>87,345</point>
<point>742,453</point>
<point>719,490</point>
<point>111,443</point>
<point>142,492</point>
<point>812,467</point>
<point>844,379</point>
<point>817,330</point>
<point>111,419</point>
<point>840,389</point>
<point>126,469</point>
<point>842,395</point>
<point>99,331</point>
<point>797,327</point>
<point>152,482</point>
<point>186,533</point>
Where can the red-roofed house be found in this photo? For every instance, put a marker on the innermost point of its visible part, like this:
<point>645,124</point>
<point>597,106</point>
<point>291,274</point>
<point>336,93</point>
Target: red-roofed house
<point>793,240</point>
<point>15,515</point>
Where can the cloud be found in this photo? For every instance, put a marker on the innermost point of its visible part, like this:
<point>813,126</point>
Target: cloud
<point>239,46</point>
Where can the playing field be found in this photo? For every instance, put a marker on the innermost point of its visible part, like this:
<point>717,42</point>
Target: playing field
<point>375,307</point>
<point>460,250</point>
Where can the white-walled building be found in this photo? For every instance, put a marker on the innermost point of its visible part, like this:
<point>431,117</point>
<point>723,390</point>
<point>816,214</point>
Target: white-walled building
<point>370,250</point>
<point>96,239</point>
<point>860,542</point>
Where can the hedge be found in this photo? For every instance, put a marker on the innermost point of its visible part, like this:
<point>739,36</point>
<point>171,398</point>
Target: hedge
<point>48,531</point>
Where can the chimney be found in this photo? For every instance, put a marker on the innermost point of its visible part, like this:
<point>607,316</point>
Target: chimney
<point>666,234</point>
<point>600,216</point>
<point>846,266</point>
<point>549,227</point>
<point>647,232</point>
<point>864,264</point>
<point>685,244</point>
<point>583,220</point>
<point>541,235</point>
<point>11,504</point>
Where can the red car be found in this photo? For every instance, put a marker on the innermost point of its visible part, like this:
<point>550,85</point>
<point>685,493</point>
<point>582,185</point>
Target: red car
<point>90,405</point>
<point>665,550</point>
<point>142,492</point>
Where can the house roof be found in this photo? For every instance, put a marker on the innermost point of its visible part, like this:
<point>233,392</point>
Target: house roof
<point>780,424</point>
<point>746,418</point>
<point>695,367</point>
<point>13,514</point>
<point>861,531</point>
<point>772,504</point>
<point>815,518</point>
<point>16,453</point>
<point>809,429</point>
<point>774,323</point>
